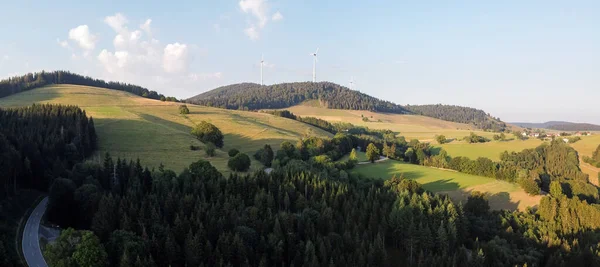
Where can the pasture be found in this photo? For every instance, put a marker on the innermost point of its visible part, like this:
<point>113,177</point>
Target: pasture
<point>585,147</point>
<point>409,126</point>
<point>491,150</point>
<point>129,126</point>
<point>502,195</point>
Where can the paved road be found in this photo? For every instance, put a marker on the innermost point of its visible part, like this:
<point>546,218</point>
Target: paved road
<point>31,244</point>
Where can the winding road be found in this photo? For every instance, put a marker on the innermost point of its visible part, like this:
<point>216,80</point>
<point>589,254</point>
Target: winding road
<point>31,240</point>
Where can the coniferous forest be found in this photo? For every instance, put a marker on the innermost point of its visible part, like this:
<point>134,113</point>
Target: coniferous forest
<point>30,81</point>
<point>460,114</point>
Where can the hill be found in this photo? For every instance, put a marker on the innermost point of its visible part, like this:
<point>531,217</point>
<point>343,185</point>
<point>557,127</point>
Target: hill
<point>560,126</point>
<point>130,126</point>
<point>251,96</point>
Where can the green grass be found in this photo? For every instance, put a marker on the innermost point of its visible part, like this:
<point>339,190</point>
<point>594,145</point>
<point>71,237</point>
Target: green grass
<point>501,194</point>
<point>491,150</point>
<point>360,156</point>
<point>131,127</point>
<point>432,179</point>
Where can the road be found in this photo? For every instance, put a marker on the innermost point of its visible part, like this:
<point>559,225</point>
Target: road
<point>381,158</point>
<point>30,243</point>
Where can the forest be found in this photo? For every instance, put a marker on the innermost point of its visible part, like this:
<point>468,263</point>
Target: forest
<point>459,114</point>
<point>38,144</point>
<point>250,96</point>
<point>30,81</point>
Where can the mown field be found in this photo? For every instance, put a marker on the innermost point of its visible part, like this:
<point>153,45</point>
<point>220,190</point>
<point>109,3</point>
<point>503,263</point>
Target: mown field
<point>410,126</point>
<point>586,147</point>
<point>130,126</point>
<point>491,150</point>
<point>502,195</point>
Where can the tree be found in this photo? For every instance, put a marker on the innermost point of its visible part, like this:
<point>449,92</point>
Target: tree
<point>89,251</point>
<point>265,155</point>
<point>210,149</point>
<point>556,189</point>
<point>530,186</point>
<point>232,152</point>
<point>183,109</point>
<point>477,203</point>
<point>208,133</point>
<point>353,155</point>
<point>372,153</point>
<point>240,162</point>
<point>441,139</point>
<point>61,202</point>
<point>596,154</point>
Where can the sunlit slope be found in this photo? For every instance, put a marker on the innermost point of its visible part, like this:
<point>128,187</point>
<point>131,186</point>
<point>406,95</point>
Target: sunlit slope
<point>586,147</point>
<point>410,126</point>
<point>130,126</point>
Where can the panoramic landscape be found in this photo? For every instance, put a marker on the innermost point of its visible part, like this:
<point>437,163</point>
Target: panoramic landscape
<point>468,136</point>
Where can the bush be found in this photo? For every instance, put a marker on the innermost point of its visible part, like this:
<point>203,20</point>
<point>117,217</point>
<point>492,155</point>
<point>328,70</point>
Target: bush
<point>474,138</point>
<point>239,163</point>
<point>530,186</point>
<point>210,149</point>
<point>232,152</point>
<point>441,139</point>
<point>183,109</point>
<point>265,155</point>
<point>194,148</point>
<point>208,133</point>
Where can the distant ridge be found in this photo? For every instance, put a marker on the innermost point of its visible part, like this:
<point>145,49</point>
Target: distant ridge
<point>560,126</point>
<point>252,96</point>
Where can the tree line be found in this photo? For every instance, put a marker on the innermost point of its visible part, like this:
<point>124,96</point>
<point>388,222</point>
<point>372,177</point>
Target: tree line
<point>17,84</point>
<point>459,114</point>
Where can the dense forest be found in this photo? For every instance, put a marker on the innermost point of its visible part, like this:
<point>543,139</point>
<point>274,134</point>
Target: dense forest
<point>250,96</point>
<point>467,115</point>
<point>301,218</point>
<point>38,144</point>
<point>30,81</point>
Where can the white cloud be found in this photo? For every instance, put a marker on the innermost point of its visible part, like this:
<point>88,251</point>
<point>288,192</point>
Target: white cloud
<point>117,22</point>
<point>259,9</point>
<point>63,43</point>
<point>277,16</point>
<point>217,27</point>
<point>146,27</point>
<point>113,62</point>
<point>252,32</point>
<point>83,37</point>
<point>175,58</point>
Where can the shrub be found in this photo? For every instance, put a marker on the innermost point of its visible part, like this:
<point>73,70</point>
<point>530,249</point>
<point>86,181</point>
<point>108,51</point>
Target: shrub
<point>239,163</point>
<point>441,139</point>
<point>194,148</point>
<point>232,152</point>
<point>210,149</point>
<point>208,133</point>
<point>183,109</point>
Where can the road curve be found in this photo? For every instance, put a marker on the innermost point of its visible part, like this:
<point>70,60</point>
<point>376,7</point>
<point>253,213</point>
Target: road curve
<point>31,240</point>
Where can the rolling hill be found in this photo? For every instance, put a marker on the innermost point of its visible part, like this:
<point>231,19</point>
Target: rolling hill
<point>560,126</point>
<point>251,96</point>
<point>130,126</point>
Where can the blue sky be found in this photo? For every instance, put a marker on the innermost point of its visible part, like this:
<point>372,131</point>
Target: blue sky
<point>518,60</point>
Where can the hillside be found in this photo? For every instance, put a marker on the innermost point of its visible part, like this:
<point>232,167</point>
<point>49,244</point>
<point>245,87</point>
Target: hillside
<point>459,114</point>
<point>129,126</point>
<point>410,126</point>
<point>560,126</point>
<point>250,96</point>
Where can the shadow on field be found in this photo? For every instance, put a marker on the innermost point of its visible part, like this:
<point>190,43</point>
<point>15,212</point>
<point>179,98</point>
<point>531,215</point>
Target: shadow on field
<point>497,201</point>
<point>170,124</point>
<point>441,185</point>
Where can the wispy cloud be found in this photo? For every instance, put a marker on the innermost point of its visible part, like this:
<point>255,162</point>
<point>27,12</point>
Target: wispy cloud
<point>259,10</point>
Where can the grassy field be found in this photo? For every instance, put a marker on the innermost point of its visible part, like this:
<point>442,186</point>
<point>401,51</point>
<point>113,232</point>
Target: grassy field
<point>130,126</point>
<point>410,126</point>
<point>586,147</point>
<point>360,156</point>
<point>489,150</point>
<point>502,195</point>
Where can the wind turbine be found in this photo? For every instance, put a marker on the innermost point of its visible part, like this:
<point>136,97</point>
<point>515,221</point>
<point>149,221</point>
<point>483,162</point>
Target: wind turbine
<point>262,62</point>
<point>315,60</point>
<point>351,83</point>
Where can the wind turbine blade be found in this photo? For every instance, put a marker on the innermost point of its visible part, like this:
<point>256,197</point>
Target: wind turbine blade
<point>317,50</point>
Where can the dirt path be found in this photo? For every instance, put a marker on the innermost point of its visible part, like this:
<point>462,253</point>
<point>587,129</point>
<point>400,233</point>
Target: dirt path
<point>381,159</point>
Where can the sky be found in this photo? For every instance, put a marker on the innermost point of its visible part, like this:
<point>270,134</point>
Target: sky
<point>526,61</point>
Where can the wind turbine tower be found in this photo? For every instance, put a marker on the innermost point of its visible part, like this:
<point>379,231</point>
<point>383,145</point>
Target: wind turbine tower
<point>352,83</point>
<point>262,62</point>
<point>315,60</point>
